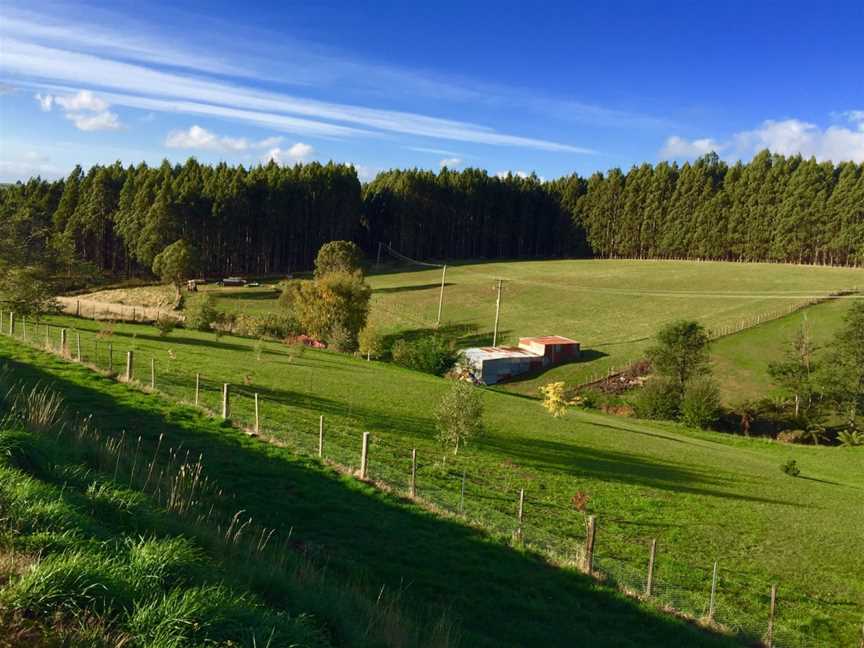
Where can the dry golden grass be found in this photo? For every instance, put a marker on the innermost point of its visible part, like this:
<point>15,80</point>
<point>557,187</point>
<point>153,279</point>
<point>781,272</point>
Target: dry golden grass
<point>149,296</point>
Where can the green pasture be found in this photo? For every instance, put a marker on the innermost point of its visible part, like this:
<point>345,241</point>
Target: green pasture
<point>704,496</point>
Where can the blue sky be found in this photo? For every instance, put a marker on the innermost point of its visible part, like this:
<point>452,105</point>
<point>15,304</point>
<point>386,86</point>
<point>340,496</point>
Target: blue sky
<point>551,87</point>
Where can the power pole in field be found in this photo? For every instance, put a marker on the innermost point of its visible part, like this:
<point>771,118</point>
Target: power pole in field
<point>497,313</point>
<point>441,297</point>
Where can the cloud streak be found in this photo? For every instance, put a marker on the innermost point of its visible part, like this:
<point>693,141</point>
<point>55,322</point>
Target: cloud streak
<point>165,90</point>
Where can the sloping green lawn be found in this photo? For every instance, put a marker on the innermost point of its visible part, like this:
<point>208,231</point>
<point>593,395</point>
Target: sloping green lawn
<point>703,496</point>
<point>741,361</point>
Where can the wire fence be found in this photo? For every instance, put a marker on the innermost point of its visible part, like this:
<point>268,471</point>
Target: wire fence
<point>506,504</point>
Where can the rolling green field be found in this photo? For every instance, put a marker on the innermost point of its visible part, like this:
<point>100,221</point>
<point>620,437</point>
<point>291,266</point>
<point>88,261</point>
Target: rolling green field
<point>703,496</point>
<point>741,361</point>
<point>613,307</point>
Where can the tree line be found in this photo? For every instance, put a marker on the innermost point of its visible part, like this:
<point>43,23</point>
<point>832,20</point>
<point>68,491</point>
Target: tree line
<point>115,220</point>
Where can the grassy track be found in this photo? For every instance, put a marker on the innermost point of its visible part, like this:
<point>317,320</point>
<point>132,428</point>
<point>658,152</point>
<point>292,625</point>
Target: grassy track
<point>704,496</point>
<point>741,360</point>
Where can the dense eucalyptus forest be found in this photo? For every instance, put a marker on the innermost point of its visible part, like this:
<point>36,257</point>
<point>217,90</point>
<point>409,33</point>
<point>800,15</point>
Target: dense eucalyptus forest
<point>273,219</point>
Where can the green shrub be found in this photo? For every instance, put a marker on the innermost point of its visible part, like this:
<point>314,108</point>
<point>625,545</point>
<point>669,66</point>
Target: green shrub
<point>165,324</point>
<point>700,406</point>
<point>341,339</point>
<point>658,399</point>
<point>155,563</point>
<point>850,438</point>
<point>432,354</point>
<point>202,314</point>
<point>791,468</point>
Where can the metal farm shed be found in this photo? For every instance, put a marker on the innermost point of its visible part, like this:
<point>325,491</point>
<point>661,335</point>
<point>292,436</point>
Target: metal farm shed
<point>490,365</point>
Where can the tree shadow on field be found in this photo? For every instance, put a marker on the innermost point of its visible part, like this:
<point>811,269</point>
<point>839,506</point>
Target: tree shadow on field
<point>418,287</point>
<point>257,294</point>
<point>500,596</point>
<point>621,467</point>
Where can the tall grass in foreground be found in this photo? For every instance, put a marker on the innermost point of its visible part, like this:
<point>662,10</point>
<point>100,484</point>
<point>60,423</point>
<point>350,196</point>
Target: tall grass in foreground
<point>111,541</point>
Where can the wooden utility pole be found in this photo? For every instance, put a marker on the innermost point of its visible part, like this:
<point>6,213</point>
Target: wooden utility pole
<point>441,297</point>
<point>129,360</point>
<point>197,388</point>
<point>520,513</point>
<point>257,416</point>
<point>497,314</point>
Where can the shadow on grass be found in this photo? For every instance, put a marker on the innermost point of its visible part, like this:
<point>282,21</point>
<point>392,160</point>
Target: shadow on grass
<point>418,287</point>
<point>501,596</point>
<point>621,467</point>
<point>255,294</point>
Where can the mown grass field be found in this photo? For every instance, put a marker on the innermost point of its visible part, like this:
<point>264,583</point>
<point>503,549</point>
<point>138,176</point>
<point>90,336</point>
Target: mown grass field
<point>740,361</point>
<point>704,496</point>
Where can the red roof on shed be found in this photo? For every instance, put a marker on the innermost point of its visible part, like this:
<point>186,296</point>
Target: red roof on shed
<point>547,339</point>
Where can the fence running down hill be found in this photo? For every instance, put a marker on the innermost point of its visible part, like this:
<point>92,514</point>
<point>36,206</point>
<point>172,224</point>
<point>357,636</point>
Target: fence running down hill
<point>715,594</point>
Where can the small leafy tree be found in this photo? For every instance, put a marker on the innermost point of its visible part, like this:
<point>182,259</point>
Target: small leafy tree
<point>371,343</point>
<point>26,291</point>
<point>681,353</point>
<point>202,314</point>
<point>700,406</point>
<point>842,375</point>
<point>335,301</point>
<point>338,256</point>
<point>459,416</point>
<point>554,398</point>
<point>174,264</point>
<point>795,373</point>
<point>165,324</point>
<point>791,468</point>
<point>431,353</point>
<point>659,399</point>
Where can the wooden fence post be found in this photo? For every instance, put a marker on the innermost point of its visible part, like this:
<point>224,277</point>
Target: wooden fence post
<point>225,410</point>
<point>520,514</point>
<point>48,336</point>
<point>364,456</point>
<point>63,346</point>
<point>257,417</point>
<point>414,472</point>
<point>321,436</point>
<point>462,495</point>
<point>129,368</point>
<point>11,324</point>
<point>649,584</point>
<point>110,356</point>
<point>713,599</point>
<point>152,373</point>
<point>24,328</point>
<point>589,544</point>
<point>197,387</point>
<point>78,346</point>
<point>769,642</point>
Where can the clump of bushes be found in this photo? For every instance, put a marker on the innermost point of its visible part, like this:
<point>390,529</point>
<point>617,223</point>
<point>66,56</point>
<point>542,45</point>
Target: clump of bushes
<point>700,406</point>
<point>659,399</point>
<point>202,314</point>
<point>165,324</point>
<point>270,325</point>
<point>791,468</point>
<point>431,354</point>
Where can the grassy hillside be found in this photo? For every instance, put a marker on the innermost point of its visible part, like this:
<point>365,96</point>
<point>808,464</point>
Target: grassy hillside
<point>704,496</point>
<point>106,543</point>
<point>741,361</point>
<point>474,587</point>
<point>612,307</point>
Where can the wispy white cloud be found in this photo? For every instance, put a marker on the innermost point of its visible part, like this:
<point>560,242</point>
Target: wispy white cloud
<point>298,152</point>
<point>29,164</point>
<point>785,137</point>
<point>434,151</point>
<point>450,163</point>
<point>84,109</point>
<point>147,85</point>
<point>46,102</point>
